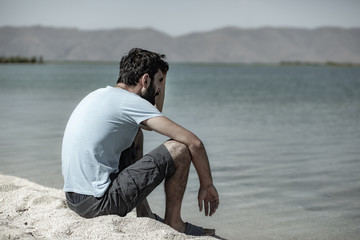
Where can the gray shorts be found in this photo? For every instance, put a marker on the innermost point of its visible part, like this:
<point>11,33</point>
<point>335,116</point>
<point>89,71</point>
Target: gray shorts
<point>129,187</point>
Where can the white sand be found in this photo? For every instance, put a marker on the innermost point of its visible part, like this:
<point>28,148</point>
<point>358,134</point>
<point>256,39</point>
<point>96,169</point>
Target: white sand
<point>31,211</point>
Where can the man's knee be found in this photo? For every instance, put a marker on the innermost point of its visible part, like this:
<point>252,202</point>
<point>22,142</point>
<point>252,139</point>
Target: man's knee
<point>179,152</point>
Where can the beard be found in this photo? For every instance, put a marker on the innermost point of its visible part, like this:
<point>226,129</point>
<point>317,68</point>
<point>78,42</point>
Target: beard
<point>150,94</point>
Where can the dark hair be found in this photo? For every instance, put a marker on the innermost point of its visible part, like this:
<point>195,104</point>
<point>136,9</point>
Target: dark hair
<point>138,62</point>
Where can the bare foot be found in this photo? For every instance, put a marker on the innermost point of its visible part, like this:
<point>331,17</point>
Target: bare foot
<point>190,229</point>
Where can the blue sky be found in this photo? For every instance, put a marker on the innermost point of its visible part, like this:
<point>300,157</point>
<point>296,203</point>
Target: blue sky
<point>180,17</point>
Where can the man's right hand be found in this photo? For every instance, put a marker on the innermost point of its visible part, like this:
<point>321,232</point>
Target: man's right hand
<point>209,197</point>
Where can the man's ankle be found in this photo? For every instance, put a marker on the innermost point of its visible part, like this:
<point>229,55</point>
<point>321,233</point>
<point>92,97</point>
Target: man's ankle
<point>179,226</point>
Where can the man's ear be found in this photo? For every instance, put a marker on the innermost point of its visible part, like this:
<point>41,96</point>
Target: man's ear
<point>145,80</point>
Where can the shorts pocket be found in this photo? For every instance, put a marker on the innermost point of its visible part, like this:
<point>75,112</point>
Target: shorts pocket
<point>128,187</point>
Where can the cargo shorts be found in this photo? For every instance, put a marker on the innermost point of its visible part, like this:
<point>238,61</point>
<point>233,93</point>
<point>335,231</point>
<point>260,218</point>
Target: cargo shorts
<point>129,187</point>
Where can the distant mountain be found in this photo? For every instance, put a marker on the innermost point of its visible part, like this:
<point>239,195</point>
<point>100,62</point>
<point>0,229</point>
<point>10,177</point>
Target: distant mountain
<point>262,45</point>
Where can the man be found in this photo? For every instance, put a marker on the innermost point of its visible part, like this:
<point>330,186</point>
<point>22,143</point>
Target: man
<point>102,163</point>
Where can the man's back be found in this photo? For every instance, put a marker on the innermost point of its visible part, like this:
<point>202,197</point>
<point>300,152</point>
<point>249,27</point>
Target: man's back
<point>103,125</point>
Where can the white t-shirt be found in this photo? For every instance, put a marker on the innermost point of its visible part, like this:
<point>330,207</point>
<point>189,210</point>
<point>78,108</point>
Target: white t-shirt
<point>103,125</point>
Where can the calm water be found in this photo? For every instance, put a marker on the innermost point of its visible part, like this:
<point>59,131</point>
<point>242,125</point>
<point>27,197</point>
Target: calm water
<point>284,142</point>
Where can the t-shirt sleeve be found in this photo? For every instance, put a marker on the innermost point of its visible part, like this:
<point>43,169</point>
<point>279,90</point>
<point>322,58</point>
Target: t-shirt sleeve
<point>138,109</point>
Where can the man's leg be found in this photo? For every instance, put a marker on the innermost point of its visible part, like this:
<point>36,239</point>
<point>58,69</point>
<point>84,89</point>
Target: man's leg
<point>143,208</point>
<point>176,185</point>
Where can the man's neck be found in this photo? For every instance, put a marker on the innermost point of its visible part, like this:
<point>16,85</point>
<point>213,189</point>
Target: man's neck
<point>133,89</point>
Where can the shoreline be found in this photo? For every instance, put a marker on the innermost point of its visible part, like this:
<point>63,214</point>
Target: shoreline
<point>31,211</point>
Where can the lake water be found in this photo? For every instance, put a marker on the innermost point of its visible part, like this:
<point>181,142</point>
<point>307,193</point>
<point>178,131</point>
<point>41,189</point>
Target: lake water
<point>283,141</point>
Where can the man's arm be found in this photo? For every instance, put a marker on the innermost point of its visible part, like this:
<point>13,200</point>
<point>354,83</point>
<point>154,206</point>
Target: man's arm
<point>207,191</point>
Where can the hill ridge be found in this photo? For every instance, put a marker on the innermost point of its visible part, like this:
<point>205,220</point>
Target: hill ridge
<point>229,44</point>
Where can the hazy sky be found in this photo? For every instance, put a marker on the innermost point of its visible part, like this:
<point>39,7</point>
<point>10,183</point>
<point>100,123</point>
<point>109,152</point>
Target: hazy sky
<point>182,16</point>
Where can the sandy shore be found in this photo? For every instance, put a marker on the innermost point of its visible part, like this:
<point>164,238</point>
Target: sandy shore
<point>31,211</point>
